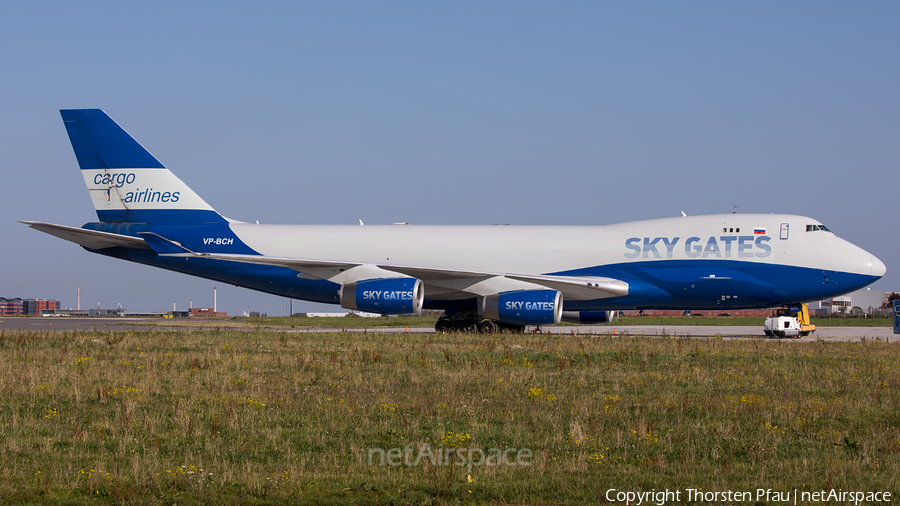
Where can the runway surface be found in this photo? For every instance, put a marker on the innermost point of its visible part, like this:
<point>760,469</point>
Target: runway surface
<point>686,331</point>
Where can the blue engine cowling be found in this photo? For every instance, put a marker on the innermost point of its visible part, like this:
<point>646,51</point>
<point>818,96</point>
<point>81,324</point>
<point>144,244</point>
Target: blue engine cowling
<point>525,307</point>
<point>384,296</point>
<point>588,317</point>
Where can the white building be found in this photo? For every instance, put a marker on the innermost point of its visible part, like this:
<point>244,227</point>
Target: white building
<point>866,299</point>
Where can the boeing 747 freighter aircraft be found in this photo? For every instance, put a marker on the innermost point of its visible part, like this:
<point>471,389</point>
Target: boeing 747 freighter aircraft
<point>487,278</point>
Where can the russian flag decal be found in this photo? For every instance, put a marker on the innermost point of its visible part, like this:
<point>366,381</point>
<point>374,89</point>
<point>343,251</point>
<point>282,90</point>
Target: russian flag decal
<point>759,231</point>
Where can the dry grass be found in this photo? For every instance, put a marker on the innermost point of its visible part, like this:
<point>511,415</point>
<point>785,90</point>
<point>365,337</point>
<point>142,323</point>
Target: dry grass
<point>234,417</point>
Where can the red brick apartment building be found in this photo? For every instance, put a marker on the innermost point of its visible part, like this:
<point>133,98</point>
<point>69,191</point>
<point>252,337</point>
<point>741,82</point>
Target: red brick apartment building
<point>18,306</point>
<point>11,307</point>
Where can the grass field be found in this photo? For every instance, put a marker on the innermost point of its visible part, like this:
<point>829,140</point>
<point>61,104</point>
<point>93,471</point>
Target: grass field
<point>231,417</point>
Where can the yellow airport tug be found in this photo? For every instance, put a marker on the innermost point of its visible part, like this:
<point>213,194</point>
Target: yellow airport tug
<point>790,321</point>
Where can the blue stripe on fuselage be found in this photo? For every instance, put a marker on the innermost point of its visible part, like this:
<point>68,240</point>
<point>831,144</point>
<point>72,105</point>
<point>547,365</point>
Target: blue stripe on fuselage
<point>714,284</point>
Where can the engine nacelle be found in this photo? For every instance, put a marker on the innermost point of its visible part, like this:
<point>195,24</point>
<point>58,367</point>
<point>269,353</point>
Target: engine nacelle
<point>384,296</point>
<point>525,307</point>
<point>588,317</point>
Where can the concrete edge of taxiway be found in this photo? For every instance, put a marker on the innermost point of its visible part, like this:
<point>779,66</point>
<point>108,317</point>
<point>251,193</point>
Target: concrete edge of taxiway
<point>839,334</point>
<point>848,334</point>
<point>844,334</point>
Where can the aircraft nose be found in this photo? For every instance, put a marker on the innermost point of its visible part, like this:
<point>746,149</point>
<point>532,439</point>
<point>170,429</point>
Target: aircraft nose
<point>878,267</point>
<point>850,258</point>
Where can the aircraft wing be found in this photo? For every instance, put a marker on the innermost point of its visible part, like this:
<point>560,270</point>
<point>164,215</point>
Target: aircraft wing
<point>572,287</point>
<point>91,239</point>
<point>297,264</point>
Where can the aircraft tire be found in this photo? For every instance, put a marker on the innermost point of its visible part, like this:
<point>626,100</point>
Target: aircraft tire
<point>487,327</point>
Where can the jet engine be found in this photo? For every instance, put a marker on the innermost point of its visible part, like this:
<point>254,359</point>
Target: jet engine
<point>588,317</point>
<point>525,307</point>
<point>384,296</point>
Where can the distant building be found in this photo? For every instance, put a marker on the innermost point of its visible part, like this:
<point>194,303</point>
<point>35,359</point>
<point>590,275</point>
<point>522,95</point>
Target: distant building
<point>868,301</point>
<point>11,307</point>
<point>207,312</point>
<point>107,312</point>
<point>38,306</point>
<point>19,306</point>
<point>837,305</point>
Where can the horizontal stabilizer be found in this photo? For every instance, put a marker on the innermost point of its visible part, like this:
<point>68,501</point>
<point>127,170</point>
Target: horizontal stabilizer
<point>161,245</point>
<point>91,239</point>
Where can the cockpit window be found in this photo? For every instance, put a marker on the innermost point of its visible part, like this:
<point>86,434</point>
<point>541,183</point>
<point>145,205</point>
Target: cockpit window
<point>813,228</point>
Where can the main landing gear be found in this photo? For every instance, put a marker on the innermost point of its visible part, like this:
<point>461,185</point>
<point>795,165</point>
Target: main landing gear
<point>470,323</point>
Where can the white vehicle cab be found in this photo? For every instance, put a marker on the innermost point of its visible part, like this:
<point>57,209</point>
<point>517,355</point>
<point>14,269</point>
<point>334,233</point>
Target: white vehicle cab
<point>782,326</point>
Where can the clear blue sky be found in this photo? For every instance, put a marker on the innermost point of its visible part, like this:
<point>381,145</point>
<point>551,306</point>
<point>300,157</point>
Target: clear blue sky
<point>454,113</point>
